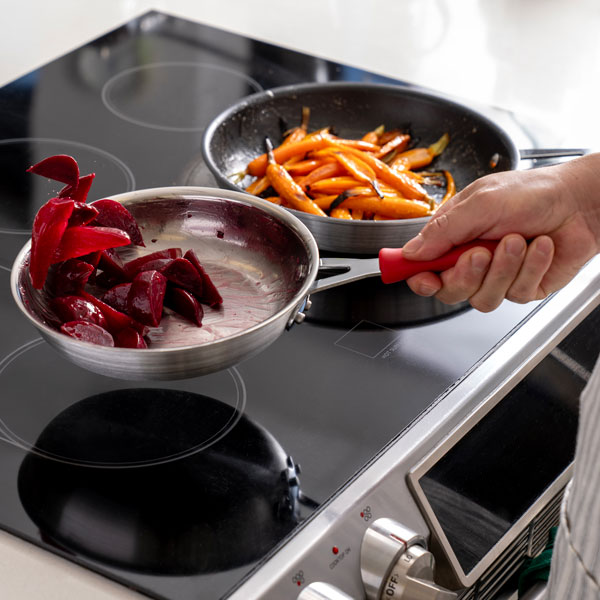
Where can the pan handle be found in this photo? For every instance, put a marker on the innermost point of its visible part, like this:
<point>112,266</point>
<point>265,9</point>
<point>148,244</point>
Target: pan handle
<point>536,153</point>
<point>348,270</point>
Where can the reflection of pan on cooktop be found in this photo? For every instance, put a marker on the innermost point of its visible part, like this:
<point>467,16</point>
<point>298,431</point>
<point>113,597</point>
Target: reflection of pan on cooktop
<point>172,518</point>
<point>377,302</point>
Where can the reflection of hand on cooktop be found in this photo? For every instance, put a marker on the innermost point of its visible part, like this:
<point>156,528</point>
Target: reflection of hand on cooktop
<point>170,517</point>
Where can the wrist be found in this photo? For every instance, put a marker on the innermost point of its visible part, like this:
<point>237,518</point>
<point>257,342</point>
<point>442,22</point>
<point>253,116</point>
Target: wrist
<point>580,181</point>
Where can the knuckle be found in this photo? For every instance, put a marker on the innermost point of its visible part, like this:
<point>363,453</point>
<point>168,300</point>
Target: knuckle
<point>484,305</point>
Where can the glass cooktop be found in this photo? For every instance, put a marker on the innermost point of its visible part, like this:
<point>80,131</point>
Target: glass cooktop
<point>181,489</point>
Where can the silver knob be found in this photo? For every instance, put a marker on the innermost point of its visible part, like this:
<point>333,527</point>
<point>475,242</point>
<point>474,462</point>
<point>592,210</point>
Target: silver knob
<point>395,564</point>
<point>322,591</point>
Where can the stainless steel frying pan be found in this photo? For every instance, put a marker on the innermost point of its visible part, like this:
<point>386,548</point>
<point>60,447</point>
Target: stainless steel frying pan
<point>263,260</point>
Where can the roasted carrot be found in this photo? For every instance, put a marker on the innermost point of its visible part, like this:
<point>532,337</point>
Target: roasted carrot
<point>287,188</point>
<point>450,186</point>
<point>398,143</point>
<point>258,186</point>
<point>341,213</point>
<point>358,169</point>
<point>325,171</point>
<point>333,185</point>
<point>298,133</point>
<point>420,157</point>
<point>395,208</point>
<point>281,154</point>
<point>302,167</point>
<point>373,136</point>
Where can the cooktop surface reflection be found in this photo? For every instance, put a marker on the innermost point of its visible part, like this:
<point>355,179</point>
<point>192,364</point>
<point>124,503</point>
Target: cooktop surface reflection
<point>149,483</point>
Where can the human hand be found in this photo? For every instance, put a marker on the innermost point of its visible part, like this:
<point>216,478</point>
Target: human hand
<point>548,224</point>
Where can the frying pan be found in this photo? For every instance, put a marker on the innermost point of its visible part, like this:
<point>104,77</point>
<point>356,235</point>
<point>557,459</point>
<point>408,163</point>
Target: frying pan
<point>262,259</point>
<point>237,136</point>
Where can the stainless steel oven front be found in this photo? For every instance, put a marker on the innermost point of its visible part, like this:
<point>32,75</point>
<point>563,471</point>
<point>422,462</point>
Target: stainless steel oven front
<point>457,501</point>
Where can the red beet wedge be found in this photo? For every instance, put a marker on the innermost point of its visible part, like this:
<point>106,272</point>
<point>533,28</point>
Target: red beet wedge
<point>49,226</point>
<point>60,167</point>
<point>115,320</point>
<point>88,332</point>
<point>114,214</point>
<point>80,192</point>
<point>130,338</point>
<point>69,277</point>
<point>181,272</point>
<point>210,295</point>
<point>184,304</point>
<point>117,296</point>
<point>135,266</point>
<point>145,300</point>
<point>76,308</point>
<point>83,239</point>
<point>82,214</point>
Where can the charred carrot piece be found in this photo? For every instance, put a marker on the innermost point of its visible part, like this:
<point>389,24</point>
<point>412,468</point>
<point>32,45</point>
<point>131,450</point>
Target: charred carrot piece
<point>259,185</point>
<point>331,169</point>
<point>281,154</point>
<point>341,213</point>
<point>324,200</point>
<point>286,187</point>
<point>302,167</point>
<point>358,169</point>
<point>450,187</point>
<point>333,185</point>
<point>420,157</point>
<point>387,136</point>
<point>373,136</point>
<point>395,208</point>
<point>398,143</point>
<point>404,183</point>
<point>298,133</point>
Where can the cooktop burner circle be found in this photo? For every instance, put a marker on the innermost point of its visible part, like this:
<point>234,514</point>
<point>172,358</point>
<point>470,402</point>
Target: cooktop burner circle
<point>169,95</point>
<point>137,423</point>
<point>23,193</point>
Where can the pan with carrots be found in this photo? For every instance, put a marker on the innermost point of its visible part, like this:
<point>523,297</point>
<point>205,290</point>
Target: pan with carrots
<point>363,166</point>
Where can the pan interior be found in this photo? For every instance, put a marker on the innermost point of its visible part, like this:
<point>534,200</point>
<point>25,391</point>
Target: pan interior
<point>257,262</point>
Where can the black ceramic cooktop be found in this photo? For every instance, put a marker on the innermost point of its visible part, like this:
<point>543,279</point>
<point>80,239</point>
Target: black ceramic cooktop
<point>180,489</point>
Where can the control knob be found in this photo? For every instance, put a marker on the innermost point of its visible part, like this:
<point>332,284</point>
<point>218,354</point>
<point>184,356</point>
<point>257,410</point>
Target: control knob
<point>322,591</point>
<point>395,564</point>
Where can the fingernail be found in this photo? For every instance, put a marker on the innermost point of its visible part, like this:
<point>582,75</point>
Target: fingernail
<point>425,290</point>
<point>544,246</point>
<point>480,260</point>
<point>413,245</point>
<point>515,246</point>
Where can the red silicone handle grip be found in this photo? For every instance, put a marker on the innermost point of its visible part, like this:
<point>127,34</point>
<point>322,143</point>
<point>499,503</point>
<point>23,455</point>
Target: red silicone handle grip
<point>394,267</point>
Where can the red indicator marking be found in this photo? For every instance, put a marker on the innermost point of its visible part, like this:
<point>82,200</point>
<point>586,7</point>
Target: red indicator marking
<point>362,514</point>
<point>335,549</point>
<point>298,583</point>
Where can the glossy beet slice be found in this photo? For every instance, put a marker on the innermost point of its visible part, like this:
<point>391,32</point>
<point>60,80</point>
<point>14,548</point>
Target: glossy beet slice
<point>82,214</point>
<point>76,308</point>
<point>117,296</point>
<point>69,277</point>
<point>210,294</point>
<point>87,332</point>
<point>114,214</point>
<point>60,167</point>
<point>184,304</point>
<point>130,338</point>
<point>135,266</point>
<point>183,273</point>
<point>112,265</point>
<point>115,320</point>
<point>80,192</point>
<point>49,226</point>
<point>82,240</point>
<point>146,296</point>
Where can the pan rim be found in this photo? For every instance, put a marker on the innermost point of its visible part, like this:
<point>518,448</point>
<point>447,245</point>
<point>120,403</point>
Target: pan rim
<point>290,221</point>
